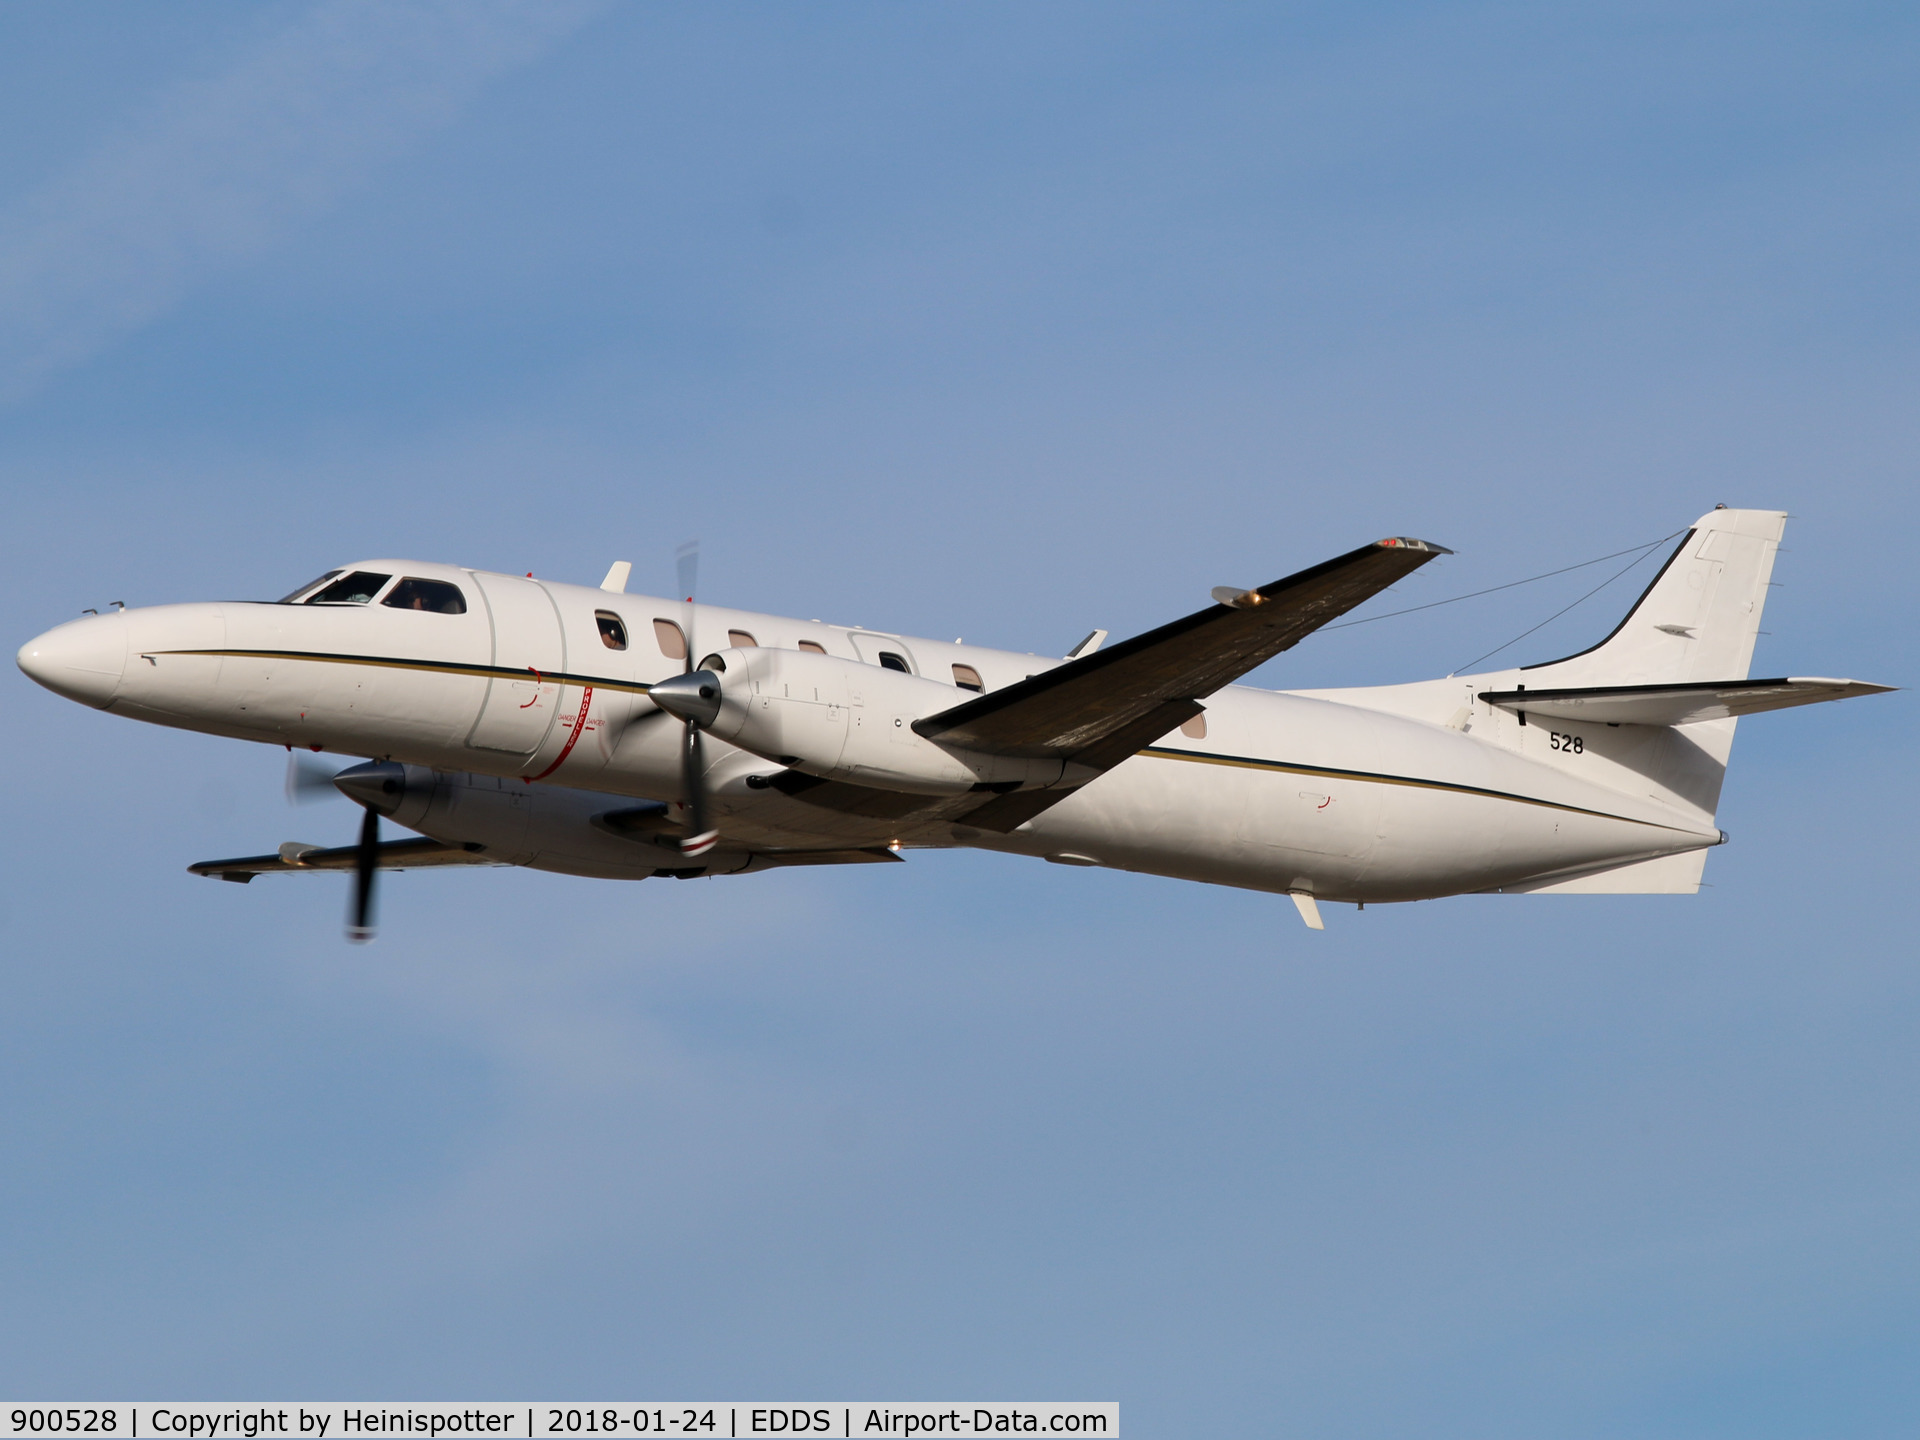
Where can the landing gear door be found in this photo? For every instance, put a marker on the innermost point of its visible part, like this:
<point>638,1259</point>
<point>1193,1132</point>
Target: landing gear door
<point>519,708</point>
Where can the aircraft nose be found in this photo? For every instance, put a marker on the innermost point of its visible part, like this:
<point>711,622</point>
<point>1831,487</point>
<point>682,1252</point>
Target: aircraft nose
<point>82,659</point>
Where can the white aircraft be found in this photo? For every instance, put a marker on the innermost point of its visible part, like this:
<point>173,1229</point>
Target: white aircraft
<point>521,722</point>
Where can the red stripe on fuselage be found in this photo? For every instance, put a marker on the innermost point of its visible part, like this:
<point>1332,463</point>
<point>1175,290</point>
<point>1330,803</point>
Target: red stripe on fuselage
<point>579,728</point>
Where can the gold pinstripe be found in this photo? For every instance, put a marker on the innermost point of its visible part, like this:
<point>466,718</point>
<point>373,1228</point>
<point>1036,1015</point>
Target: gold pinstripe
<point>1197,757</point>
<point>1152,752</point>
<point>427,667</point>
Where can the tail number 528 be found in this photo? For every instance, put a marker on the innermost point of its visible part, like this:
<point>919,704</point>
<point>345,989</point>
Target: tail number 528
<point>1573,744</point>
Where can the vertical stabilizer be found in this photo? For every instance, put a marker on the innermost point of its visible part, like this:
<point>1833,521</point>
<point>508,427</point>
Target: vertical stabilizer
<point>1697,620</point>
<point>1695,625</point>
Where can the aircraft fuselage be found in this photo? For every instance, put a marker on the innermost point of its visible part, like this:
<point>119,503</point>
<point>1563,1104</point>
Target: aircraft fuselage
<point>521,714</point>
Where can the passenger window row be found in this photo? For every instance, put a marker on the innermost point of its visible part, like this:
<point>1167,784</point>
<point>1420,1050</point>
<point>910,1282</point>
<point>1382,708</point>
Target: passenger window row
<point>673,644</point>
<point>668,635</point>
<point>412,593</point>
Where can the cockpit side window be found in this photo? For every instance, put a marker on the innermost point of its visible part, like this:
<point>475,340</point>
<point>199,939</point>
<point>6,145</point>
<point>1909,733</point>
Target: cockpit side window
<point>293,595</point>
<point>355,589</point>
<point>613,633</point>
<point>435,595</point>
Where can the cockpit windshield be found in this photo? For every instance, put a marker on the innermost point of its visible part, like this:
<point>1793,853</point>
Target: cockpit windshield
<point>293,595</point>
<point>356,589</point>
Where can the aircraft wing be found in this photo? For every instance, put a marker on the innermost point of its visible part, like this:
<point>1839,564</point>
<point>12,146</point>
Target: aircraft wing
<point>394,855</point>
<point>422,852</point>
<point>1101,708</point>
<point>1678,704</point>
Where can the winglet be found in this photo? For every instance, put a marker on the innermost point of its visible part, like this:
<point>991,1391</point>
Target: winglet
<point>617,574</point>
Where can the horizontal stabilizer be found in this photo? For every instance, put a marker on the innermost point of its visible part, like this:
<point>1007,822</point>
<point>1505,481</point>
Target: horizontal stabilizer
<point>394,855</point>
<point>1683,704</point>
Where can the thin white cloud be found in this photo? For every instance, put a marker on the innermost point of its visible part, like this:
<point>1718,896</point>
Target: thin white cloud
<point>219,168</point>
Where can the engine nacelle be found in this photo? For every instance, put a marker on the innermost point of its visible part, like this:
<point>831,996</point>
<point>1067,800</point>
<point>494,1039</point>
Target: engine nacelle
<point>841,720</point>
<point>544,827</point>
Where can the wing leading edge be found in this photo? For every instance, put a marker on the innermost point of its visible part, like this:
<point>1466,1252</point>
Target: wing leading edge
<point>393,855</point>
<point>424,852</point>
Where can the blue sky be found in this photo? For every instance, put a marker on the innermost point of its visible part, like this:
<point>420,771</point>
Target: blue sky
<point>1004,322</point>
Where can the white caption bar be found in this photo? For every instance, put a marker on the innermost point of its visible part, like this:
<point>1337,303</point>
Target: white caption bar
<point>163,1420</point>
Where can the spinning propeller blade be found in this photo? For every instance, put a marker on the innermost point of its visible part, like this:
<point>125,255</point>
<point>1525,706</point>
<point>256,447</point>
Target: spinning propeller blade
<point>366,866</point>
<point>375,786</point>
<point>686,561</point>
<point>309,778</point>
<point>694,698</point>
<point>699,838</point>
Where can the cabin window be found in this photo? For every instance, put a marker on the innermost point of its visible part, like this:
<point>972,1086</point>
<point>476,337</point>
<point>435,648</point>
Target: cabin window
<point>891,661</point>
<point>435,595</point>
<point>1196,728</point>
<point>813,649</point>
<point>741,640</point>
<point>613,634</point>
<point>294,595</point>
<point>672,643</point>
<point>355,589</point>
<point>967,678</point>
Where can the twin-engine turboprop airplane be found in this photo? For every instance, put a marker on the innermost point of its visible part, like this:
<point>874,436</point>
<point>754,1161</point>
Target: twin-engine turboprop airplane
<point>522,722</point>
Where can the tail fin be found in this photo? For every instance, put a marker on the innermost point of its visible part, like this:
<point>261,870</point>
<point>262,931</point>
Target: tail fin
<point>1695,623</point>
<point>1653,706</point>
<point>1668,678</point>
<point>1697,620</point>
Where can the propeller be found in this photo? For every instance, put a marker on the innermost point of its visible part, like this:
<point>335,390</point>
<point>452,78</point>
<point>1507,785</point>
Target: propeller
<point>309,778</point>
<point>366,864</point>
<point>375,787</point>
<point>693,698</point>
